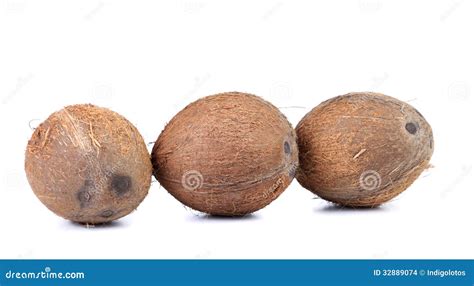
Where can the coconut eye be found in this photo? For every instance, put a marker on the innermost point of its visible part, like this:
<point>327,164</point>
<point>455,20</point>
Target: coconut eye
<point>287,147</point>
<point>107,213</point>
<point>121,184</point>
<point>411,127</point>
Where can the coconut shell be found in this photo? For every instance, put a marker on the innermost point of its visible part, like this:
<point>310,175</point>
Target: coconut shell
<point>228,154</point>
<point>88,164</point>
<point>362,149</point>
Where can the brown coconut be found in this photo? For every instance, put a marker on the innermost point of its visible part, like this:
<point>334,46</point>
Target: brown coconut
<point>88,164</point>
<point>228,154</point>
<point>362,149</point>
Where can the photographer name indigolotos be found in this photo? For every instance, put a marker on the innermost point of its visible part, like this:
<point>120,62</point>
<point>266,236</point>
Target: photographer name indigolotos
<point>446,273</point>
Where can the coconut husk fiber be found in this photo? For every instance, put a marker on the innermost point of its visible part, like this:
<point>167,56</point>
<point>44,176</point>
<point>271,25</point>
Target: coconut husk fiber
<point>362,149</point>
<point>88,164</point>
<point>229,154</point>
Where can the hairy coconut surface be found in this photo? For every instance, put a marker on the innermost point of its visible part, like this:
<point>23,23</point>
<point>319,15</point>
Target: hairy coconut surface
<point>228,154</point>
<point>88,164</point>
<point>362,149</point>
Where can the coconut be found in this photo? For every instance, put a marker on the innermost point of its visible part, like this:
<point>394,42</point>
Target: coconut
<point>362,149</point>
<point>229,154</point>
<point>88,164</point>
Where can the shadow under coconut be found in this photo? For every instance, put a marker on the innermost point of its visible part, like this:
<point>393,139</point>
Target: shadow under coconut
<point>215,218</point>
<point>334,208</point>
<point>106,225</point>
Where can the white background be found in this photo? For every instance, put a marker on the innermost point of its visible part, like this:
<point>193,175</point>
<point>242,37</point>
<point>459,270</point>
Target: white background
<point>148,59</point>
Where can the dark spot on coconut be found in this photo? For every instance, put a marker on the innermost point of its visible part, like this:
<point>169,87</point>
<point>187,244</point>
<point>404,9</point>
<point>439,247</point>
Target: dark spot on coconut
<point>431,142</point>
<point>411,127</point>
<point>84,196</point>
<point>107,213</point>
<point>121,184</point>
<point>287,147</point>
